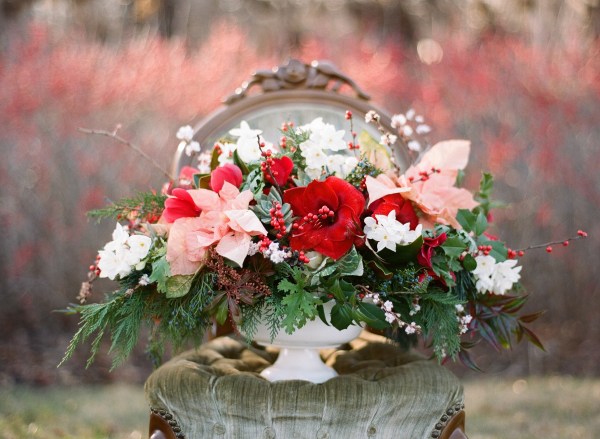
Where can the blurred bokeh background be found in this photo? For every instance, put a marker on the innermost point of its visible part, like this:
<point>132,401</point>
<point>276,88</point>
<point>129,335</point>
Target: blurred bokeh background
<point>520,78</point>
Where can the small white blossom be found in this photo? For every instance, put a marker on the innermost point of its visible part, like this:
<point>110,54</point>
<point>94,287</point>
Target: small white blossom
<point>412,328</point>
<point>225,154</point>
<point>388,306</point>
<point>371,116</point>
<point>204,160</point>
<point>459,308</point>
<point>192,147</point>
<point>388,139</point>
<point>144,280</point>
<point>390,317</point>
<point>414,145</point>
<point>415,309</point>
<point>253,248</point>
<point>423,129</point>
<point>185,133</point>
<point>398,120</point>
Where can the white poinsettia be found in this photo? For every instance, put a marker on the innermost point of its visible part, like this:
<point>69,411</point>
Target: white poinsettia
<point>124,253</point>
<point>495,277</point>
<point>389,232</point>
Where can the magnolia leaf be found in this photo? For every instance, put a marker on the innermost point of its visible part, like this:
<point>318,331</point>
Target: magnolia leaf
<point>202,181</point>
<point>178,285</point>
<point>341,316</point>
<point>371,314</point>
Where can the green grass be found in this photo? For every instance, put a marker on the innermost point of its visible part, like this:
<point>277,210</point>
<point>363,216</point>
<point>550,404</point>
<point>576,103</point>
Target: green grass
<point>549,408</point>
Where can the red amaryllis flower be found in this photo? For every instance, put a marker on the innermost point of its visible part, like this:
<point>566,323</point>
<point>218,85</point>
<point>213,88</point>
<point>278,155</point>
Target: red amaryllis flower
<point>404,210</point>
<point>180,205</point>
<point>329,214</point>
<point>226,173</point>
<point>281,169</point>
<point>428,249</point>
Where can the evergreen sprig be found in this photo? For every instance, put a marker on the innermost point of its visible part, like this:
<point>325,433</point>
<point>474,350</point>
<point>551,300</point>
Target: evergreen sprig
<point>143,205</point>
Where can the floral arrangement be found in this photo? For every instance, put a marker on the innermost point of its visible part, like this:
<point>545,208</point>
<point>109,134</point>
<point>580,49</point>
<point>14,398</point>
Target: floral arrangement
<point>274,231</point>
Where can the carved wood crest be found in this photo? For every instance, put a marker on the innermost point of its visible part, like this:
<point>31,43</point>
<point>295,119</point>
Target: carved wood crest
<point>297,75</point>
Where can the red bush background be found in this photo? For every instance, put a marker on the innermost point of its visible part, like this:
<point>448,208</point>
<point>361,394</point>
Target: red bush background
<point>533,116</point>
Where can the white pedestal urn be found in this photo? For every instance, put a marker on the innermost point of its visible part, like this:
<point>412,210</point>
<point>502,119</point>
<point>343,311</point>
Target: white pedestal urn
<point>299,357</point>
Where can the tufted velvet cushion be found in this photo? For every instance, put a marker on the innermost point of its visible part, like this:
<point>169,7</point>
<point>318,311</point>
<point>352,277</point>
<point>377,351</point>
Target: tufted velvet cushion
<point>382,392</point>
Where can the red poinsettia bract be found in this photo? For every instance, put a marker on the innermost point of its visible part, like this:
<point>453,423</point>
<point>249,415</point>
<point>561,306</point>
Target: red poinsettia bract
<point>329,216</point>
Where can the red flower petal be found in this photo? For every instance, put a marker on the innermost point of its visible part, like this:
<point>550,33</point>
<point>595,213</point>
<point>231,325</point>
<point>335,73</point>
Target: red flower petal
<point>180,205</point>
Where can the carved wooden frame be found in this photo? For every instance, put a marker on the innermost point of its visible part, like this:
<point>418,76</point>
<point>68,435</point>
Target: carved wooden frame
<point>292,83</point>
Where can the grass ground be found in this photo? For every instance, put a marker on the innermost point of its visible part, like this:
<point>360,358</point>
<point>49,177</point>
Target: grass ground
<point>549,408</point>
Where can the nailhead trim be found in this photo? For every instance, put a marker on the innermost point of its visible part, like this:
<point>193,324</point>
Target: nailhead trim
<point>170,420</point>
<point>437,430</point>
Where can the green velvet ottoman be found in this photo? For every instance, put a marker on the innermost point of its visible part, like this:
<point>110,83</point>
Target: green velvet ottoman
<point>382,392</point>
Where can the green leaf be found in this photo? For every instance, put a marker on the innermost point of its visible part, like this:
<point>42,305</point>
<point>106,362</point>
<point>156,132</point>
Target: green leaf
<point>466,219</point>
<point>214,160</point>
<point>341,316</point>
<point>222,311</point>
<point>178,286</point>
<point>341,289</point>
<point>202,181</point>
<point>454,247</point>
<point>403,253</point>
<point>499,250</point>
<point>240,163</point>
<point>481,224</point>
<point>300,307</point>
<point>350,264</point>
<point>160,273</point>
<point>469,262</point>
<point>372,315</point>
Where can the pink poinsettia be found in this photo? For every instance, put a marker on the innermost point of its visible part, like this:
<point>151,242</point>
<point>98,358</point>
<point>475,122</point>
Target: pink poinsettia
<point>435,196</point>
<point>225,223</point>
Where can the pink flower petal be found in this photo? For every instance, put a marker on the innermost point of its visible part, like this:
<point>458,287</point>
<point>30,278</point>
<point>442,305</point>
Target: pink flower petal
<point>234,246</point>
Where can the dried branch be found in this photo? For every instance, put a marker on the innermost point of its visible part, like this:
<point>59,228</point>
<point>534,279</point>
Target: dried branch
<point>113,135</point>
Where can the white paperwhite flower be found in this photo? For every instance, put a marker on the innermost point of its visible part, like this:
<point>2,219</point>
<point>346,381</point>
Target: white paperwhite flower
<point>123,253</point>
<point>388,232</point>
<point>314,155</point>
<point>327,137</point>
<point>493,277</point>
<point>226,154</point>
<point>506,275</point>
<point>244,131</point>
<point>248,143</point>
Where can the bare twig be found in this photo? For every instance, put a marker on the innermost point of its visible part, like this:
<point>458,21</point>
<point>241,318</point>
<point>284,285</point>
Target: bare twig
<point>113,135</point>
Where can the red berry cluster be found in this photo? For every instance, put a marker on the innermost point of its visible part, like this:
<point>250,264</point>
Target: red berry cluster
<point>277,220</point>
<point>512,254</point>
<point>94,267</point>
<point>265,166</point>
<point>485,249</point>
<point>424,175</point>
<point>283,142</point>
